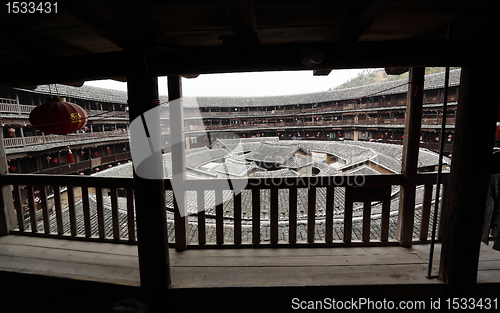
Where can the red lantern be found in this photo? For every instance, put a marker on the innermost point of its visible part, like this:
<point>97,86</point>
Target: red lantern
<point>56,116</point>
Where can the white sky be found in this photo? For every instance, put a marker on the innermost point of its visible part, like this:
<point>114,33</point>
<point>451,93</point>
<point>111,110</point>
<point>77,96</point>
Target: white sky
<point>249,84</point>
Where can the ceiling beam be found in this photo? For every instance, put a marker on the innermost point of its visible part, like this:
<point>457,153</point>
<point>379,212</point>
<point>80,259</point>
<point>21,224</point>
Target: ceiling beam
<point>245,59</point>
<point>241,17</point>
<point>116,23</point>
<point>25,43</point>
<point>354,21</point>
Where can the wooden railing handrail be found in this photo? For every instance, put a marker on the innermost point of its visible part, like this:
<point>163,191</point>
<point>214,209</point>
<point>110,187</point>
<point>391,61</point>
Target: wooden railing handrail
<point>375,188</point>
<point>66,180</point>
<point>208,184</point>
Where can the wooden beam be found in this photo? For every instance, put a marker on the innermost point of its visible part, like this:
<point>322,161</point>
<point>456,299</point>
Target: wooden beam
<point>7,216</point>
<point>154,267</point>
<point>355,20</point>
<point>241,18</point>
<point>467,188</point>
<point>125,28</point>
<point>413,121</point>
<point>178,146</point>
<point>242,59</point>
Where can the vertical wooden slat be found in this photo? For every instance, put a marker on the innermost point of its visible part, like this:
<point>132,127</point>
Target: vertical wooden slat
<point>311,214</point>
<point>86,211</point>
<point>130,215</point>
<point>330,193</point>
<point>292,214</point>
<point>114,213</point>
<point>32,209</point>
<point>219,217</point>
<point>237,219</point>
<point>57,206</point>
<point>71,208</point>
<point>255,216</point>
<point>426,213</point>
<point>19,208</point>
<point>100,213</point>
<point>442,214</point>
<point>348,214</point>
<point>411,143</point>
<point>386,210</point>
<point>202,233</point>
<point>45,210</point>
<point>274,215</point>
<point>367,214</point>
<point>180,222</point>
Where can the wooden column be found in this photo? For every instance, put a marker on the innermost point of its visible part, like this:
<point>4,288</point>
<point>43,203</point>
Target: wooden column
<point>150,205</point>
<point>178,148</point>
<point>472,149</point>
<point>413,121</point>
<point>7,216</point>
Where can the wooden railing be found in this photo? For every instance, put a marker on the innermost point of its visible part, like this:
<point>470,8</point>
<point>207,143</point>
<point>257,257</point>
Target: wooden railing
<point>86,164</point>
<point>33,140</point>
<point>11,106</point>
<point>369,121</point>
<point>94,219</point>
<point>257,217</point>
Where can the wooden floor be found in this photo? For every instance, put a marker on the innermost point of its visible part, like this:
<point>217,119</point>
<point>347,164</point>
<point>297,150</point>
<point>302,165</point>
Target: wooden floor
<point>118,264</point>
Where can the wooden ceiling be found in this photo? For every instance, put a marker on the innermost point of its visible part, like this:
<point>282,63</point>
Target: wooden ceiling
<point>101,31</point>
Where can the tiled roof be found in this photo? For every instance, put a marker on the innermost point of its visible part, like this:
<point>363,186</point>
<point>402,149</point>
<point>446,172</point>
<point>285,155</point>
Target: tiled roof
<point>432,81</point>
<point>297,161</point>
<point>271,152</point>
<point>236,168</point>
<point>286,172</point>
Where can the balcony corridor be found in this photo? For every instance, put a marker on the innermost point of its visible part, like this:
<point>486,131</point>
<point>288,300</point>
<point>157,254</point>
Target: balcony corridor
<point>209,268</point>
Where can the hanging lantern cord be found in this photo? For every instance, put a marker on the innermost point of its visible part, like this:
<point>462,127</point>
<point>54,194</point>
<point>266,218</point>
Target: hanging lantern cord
<point>440,165</point>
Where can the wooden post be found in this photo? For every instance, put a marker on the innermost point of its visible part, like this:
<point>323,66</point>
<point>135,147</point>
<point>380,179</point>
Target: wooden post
<point>413,121</point>
<point>178,148</point>
<point>7,217</point>
<point>464,213</point>
<point>150,205</point>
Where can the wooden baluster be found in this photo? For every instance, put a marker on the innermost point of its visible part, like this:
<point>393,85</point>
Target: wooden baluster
<point>86,211</point>
<point>237,219</point>
<point>386,211</point>
<point>45,210</point>
<point>100,213</point>
<point>114,213</point>
<point>274,215</point>
<point>442,209</point>
<point>219,217</point>
<point>426,213</point>
<point>32,209</point>
<point>292,214</point>
<point>202,233</point>
<point>348,214</point>
<point>57,206</point>
<point>367,214</point>
<point>71,208</point>
<point>130,215</point>
<point>311,214</point>
<point>330,193</point>
<point>255,216</point>
<point>19,208</point>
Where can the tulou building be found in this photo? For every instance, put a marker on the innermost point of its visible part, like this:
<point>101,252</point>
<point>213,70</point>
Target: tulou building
<point>374,197</point>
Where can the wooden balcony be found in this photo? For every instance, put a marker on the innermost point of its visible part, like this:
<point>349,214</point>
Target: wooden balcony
<point>34,140</point>
<point>276,213</point>
<point>101,227</point>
